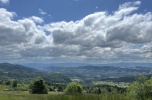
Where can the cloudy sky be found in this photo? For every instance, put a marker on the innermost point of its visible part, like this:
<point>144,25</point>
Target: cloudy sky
<point>90,31</point>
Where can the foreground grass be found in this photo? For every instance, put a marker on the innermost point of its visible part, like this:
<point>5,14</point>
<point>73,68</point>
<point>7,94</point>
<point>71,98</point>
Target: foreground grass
<point>59,96</point>
<point>24,95</point>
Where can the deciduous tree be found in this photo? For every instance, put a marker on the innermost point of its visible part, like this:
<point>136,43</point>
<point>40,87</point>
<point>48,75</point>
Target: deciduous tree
<point>37,86</point>
<point>73,88</point>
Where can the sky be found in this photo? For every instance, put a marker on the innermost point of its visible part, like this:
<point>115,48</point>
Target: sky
<point>90,31</point>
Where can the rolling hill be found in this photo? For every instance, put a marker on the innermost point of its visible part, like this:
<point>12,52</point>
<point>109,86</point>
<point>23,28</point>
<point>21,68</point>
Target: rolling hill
<point>101,73</point>
<point>25,74</point>
<point>88,73</point>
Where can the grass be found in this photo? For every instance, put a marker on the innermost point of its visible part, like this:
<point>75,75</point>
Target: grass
<point>60,96</point>
<point>24,95</point>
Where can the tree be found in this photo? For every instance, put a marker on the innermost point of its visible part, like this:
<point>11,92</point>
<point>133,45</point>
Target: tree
<point>14,84</point>
<point>97,90</point>
<point>8,82</point>
<point>37,86</point>
<point>141,89</point>
<point>73,88</point>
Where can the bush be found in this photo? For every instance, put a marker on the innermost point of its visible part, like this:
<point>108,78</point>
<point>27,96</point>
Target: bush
<point>73,88</point>
<point>141,89</point>
<point>14,84</point>
<point>8,83</point>
<point>37,86</point>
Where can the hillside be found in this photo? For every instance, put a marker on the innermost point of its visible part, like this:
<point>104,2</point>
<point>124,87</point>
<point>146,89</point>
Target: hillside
<point>25,74</point>
<point>100,73</point>
<point>64,74</point>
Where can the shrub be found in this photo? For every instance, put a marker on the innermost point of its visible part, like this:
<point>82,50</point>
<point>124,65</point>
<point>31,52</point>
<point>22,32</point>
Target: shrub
<point>141,89</point>
<point>8,83</point>
<point>73,88</point>
<point>14,84</point>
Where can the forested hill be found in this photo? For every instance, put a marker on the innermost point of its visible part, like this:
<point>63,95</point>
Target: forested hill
<point>101,73</point>
<point>64,74</point>
<point>25,74</point>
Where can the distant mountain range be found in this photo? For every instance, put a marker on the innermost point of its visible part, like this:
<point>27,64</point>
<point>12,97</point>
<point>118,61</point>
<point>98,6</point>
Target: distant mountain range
<point>85,73</point>
<point>25,74</point>
<point>100,73</point>
<point>77,64</point>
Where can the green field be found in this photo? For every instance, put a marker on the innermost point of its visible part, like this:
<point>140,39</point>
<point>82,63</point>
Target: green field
<point>54,96</point>
<point>25,95</point>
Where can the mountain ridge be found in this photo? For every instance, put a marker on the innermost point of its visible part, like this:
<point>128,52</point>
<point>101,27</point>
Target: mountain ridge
<point>25,74</point>
<point>100,73</point>
<point>83,73</point>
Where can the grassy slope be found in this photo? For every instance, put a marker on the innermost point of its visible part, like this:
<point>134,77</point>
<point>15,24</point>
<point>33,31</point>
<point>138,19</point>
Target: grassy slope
<point>19,95</point>
<point>63,97</point>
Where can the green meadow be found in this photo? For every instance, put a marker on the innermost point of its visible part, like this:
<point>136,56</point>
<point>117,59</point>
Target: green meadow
<point>54,96</point>
<point>25,95</point>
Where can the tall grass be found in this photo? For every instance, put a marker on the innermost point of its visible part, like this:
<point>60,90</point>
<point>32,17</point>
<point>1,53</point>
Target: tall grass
<point>63,97</point>
<point>24,95</point>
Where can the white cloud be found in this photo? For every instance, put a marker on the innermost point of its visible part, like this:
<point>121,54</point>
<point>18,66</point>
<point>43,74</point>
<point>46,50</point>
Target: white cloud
<point>127,8</point>
<point>98,32</point>
<point>36,19</point>
<point>4,1</point>
<point>6,16</point>
<point>99,36</point>
<point>42,12</point>
<point>17,36</point>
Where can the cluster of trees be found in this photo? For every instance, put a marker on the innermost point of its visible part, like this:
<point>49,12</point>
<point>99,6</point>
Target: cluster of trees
<point>13,83</point>
<point>60,87</point>
<point>38,86</point>
<point>141,89</point>
<point>101,89</point>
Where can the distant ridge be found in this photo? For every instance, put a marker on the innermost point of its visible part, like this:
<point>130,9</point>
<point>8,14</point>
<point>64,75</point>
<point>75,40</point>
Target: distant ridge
<point>77,64</point>
<point>101,73</point>
<point>25,74</point>
<point>84,72</point>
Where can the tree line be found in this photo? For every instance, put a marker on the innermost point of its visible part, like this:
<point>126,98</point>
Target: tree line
<point>140,89</point>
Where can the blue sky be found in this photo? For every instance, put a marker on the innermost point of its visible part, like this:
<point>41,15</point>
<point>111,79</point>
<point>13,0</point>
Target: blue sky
<point>67,10</point>
<point>91,31</point>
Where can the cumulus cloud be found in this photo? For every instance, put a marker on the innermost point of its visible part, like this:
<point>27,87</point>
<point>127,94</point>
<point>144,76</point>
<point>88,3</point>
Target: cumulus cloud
<point>4,1</point>
<point>99,32</point>
<point>20,35</point>
<point>17,32</point>
<point>120,35</point>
